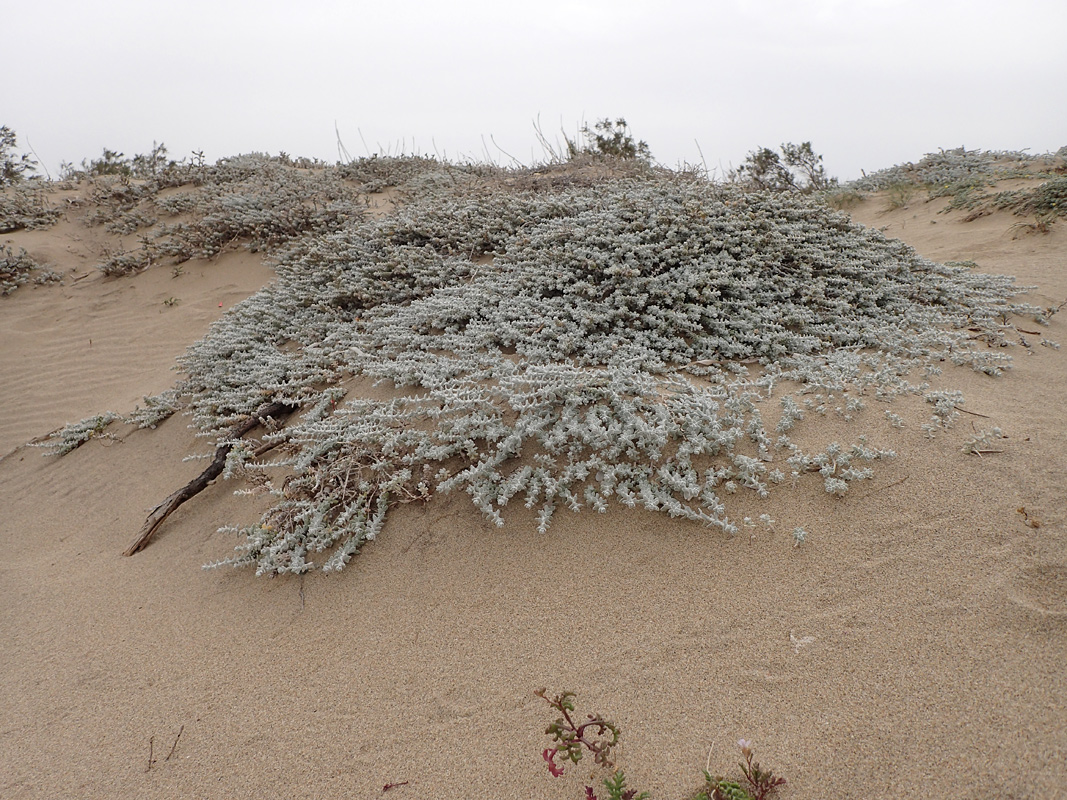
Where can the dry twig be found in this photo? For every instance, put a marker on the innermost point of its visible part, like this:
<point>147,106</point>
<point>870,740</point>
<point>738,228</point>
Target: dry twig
<point>201,482</point>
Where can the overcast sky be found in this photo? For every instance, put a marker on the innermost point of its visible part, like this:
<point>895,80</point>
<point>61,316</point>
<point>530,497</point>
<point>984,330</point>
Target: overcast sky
<point>870,83</point>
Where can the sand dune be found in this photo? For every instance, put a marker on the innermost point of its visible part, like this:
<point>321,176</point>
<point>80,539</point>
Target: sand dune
<point>914,646</point>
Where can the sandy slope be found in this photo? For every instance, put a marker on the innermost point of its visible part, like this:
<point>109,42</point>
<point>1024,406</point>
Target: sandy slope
<point>913,647</point>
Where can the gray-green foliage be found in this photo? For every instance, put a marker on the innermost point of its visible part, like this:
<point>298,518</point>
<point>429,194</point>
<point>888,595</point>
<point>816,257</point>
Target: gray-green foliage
<point>948,171</point>
<point>380,172</point>
<point>115,200</point>
<point>73,435</point>
<point>19,268</point>
<point>570,346</point>
<point>24,206</point>
<point>156,409</point>
<point>1046,201</point>
<point>253,200</point>
<point>258,200</point>
<point>127,262</point>
<point>153,167</point>
<point>982,441</point>
<point>1049,197</point>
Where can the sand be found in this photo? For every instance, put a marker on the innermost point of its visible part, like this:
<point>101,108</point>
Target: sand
<point>914,646</point>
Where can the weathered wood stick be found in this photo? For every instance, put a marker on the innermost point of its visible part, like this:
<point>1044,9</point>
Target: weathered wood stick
<point>201,482</point>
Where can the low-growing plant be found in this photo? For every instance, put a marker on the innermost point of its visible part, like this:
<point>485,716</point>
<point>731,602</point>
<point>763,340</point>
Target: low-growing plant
<point>259,202</point>
<point>1046,202</point>
<point>835,464</point>
<point>17,269</point>
<point>756,783</point>
<point>941,172</point>
<point>1042,224</point>
<point>1048,198</point>
<point>898,195</point>
<point>572,739</point>
<point>969,195</point>
<point>964,176</point>
<point>24,206</point>
<point>984,442</point>
<point>379,172</point>
<point>156,408</point>
<point>843,198</point>
<point>117,263</point>
<point>565,337</point>
<point>73,435</point>
<point>573,736</point>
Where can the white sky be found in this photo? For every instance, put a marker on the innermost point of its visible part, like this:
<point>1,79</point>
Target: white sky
<point>870,83</point>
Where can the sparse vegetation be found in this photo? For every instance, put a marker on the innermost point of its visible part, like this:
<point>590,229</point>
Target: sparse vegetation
<point>378,172</point>
<point>1047,199</point>
<point>1046,202</point>
<point>1042,224</point>
<point>72,436</point>
<point>152,167</point>
<point>565,337</point>
<point>843,198</point>
<point>965,176</point>
<point>120,262</point>
<point>24,207</point>
<point>612,139</point>
<point>945,170</point>
<point>17,269</point>
<point>798,169</point>
<point>22,197</point>
<point>573,736</point>
<point>898,195</point>
<point>14,168</point>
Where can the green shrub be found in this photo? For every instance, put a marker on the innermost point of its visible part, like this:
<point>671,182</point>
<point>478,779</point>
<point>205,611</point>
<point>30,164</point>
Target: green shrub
<point>798,169</point>
<point>13,168</point>
<point>612,139</point>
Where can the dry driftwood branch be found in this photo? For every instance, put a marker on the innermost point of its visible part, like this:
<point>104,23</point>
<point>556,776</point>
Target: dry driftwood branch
<point>199,483</point>
<point>174,746</point>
